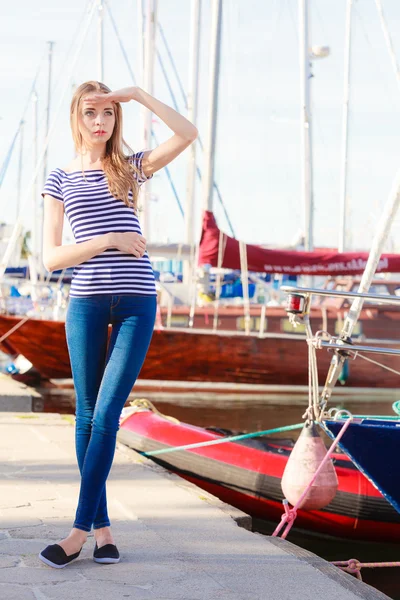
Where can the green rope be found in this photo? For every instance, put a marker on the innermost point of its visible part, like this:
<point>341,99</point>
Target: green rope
<point>231,438</point>
<point>396,409</point>
<point>377,417</point>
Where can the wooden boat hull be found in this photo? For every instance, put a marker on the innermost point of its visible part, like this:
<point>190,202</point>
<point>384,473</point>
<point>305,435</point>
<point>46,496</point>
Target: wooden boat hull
<point>248,476</point>
<point>375,322</point>
<point>198,355</point>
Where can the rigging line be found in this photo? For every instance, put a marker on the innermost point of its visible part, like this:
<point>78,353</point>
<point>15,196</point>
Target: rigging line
<point>388,40</point>
<point>169,54</point>
<point>168,173</point>
<point>121,45</point>
<point>90,5</point>
<point>86,11</point>
<point>7,159</point>
<point>28,101</point>
<point>18,224</point>
<point>326,37</point>
<point>153,135</point>
<point>320,134</point>
<point>164,72</point>
<point>378,68</point>
<point>378,363</point>
<point>372,52</point>
<point>198,171</point>
<point>199,140</point>
<point>296,33</point>
<point>5,164</point>
<point>4,167</point>
<point>278,15</point>
<point>215,186</point>
<point>88,8</point>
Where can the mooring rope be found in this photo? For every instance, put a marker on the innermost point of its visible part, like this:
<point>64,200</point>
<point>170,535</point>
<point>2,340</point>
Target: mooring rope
<point>354,566</point>
<point>143,403</point>
<point>290,514</point>
<point>230,438</point>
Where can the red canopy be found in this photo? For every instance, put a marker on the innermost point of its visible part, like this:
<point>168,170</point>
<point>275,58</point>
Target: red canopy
<point>290,262</point>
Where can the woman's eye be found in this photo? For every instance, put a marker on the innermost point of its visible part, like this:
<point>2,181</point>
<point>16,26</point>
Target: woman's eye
<point>88,112</point>
<point>109,112</point>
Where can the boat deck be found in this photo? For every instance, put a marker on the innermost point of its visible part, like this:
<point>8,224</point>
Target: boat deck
<point>176,541</point>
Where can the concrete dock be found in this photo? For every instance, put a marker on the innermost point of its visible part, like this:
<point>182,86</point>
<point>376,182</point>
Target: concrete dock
<point>176,541</point>
<point>18,397</point>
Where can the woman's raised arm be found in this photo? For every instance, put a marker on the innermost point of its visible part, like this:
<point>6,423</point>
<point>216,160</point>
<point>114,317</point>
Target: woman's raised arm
<point>184,131</point>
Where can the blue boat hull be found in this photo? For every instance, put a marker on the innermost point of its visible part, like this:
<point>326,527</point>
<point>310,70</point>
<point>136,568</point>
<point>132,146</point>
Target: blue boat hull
<point>374,447</point>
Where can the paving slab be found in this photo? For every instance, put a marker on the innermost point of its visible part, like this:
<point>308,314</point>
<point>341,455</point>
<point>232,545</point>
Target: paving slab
<point>16,396</point>
<point>176,541</point>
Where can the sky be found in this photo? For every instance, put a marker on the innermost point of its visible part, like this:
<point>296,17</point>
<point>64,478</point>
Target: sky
<point>258,153</point>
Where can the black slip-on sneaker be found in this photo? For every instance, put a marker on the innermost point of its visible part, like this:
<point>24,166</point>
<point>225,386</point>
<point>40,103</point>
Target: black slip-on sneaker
<point>106,554</point>
<point>55,556</point>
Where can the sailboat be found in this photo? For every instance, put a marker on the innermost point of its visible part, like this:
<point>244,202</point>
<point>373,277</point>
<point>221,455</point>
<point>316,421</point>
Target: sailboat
<point>252,355</point>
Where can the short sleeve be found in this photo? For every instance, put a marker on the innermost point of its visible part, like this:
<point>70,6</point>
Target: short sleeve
<point>136,161</point>
<point>53,185</point>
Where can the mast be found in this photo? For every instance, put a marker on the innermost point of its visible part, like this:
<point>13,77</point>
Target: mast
<point>340,357</point>
<point>100,41</point>
<point>20,162</point>
<point>192,105</point>
<point>146,115</point>
<point>47,124</point>
<point>39,264</point>
<point>306,133</point>
<point>36,205</point>
<point>16,233</point>
<point>209,148</point>
<point>346,98</point>
<point>140,66</point>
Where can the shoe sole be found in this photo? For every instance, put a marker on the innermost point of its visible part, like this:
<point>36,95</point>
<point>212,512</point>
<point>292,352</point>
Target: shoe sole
<point>51,564</point>
<point>106,560</point>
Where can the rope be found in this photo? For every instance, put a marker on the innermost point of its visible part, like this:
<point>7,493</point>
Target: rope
<point>143,403</point>
<point>245,285</point>
<point>354,566</point>
<point>17,326</point>
<point>18,225</point>
<point>378,363</point>
<point>317,339</point>
<point>230,438</point>
<point>199,140</point>
<point>314,410</point>
<point>221,252</point>
<point>388,40</point>
<point>290,514</point>
<point>153,135</point>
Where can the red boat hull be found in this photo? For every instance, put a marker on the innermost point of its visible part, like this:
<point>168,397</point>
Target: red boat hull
<point>249,478</point>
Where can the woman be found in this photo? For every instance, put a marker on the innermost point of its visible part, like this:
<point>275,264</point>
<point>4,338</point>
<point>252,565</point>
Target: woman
<point>113,282</point>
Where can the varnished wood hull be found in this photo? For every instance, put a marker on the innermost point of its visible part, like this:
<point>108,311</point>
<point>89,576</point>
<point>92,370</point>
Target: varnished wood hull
<point>375,322</point>
<point>176,355</point>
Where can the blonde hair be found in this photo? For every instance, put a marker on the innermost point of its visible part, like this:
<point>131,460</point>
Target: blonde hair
<point>119,171</point>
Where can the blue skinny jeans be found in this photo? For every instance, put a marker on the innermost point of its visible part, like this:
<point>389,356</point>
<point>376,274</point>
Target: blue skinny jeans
<point>103,379</point>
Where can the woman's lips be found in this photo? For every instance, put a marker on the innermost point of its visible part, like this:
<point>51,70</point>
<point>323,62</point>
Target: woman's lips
<point>99,133</point>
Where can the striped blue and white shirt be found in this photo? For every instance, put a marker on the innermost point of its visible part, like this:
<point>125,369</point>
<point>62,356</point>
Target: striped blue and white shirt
<point>92,211</point>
